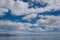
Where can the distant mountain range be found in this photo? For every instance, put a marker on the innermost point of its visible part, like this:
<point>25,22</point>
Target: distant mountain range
<point>6,35</point>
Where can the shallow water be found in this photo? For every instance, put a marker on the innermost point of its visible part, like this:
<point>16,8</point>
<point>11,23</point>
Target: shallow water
<point>30,38</point>
<point>51,36</point>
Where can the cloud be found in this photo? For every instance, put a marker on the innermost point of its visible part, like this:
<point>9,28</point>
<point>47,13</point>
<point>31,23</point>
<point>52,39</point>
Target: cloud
<point>16,7</point>
<point>29,17</point>
<point>49,22</point>
<point>46,23</point>
<point>3,11</point>
<point>21,8</point>
<point>9,26</point>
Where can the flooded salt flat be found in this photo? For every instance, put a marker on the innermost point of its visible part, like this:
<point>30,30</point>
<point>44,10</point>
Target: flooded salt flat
<point>43,36</point>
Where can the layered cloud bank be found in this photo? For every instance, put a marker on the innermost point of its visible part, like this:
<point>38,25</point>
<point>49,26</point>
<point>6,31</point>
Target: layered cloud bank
<point>19,7</point>
<point>46,23</point>
<point>18,26</point>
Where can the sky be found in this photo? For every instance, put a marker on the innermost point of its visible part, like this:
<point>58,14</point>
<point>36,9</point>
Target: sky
<point>29,16</point>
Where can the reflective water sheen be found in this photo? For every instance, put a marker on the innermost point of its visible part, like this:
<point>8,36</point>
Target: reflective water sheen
<point>33,37</point>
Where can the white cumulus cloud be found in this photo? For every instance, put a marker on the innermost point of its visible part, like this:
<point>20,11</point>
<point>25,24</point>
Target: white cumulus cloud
<point>21,8</point>
<point>50,22</point>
